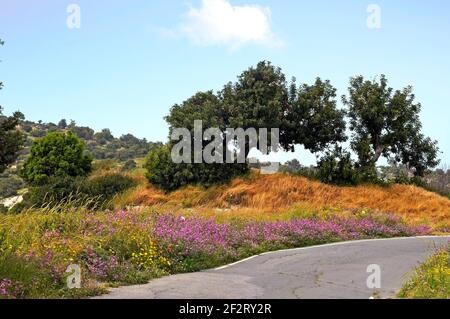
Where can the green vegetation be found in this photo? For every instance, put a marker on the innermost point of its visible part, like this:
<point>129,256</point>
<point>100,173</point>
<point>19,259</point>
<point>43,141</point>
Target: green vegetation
<point>102,145</point>
<point>11,139</point>
<point>68,213</point>
<point>129,165</point>
<point>306,115</point>
<point>260,98</point>
<point>131,247</point>
<point>56,172</point>
<point>95,192</point>
<point>431,280</point>
<point>162,172</point>
<point>9,184</point>
<point>383,122</point>
<point>337,167</point>
<point>56,155</point>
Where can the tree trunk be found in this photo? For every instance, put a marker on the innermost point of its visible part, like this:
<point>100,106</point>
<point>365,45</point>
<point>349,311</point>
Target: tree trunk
<point>378,151</point>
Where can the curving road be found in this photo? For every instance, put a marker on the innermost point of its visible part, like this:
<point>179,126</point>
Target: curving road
<point>329,271</point>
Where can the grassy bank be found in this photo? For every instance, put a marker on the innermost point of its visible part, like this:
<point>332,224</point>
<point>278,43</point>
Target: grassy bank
<point>276,194</point>
<point>431,280</point>
<point>131,247</point>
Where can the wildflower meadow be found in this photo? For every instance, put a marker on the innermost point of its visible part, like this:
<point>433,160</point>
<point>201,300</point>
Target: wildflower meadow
<point>130,247</point>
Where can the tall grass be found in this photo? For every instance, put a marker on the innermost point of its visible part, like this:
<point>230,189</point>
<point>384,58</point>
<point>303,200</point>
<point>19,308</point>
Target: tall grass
<point>431,280</point>
<point>279,193</point>
<point>131,247</point>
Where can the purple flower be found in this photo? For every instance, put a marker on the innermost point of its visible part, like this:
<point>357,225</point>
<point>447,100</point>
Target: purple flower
<point>193,235</point>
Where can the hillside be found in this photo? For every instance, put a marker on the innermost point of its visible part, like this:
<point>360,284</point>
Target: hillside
<point>102,145</point>
<point>272,196</point>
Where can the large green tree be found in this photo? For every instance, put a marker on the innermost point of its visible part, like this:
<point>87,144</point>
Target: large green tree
<point>260,98</point>
<point>210,109</point>
<point>56,155</point>
<point>386,123</point>
<point>312,118</point>
<point>11,139</point>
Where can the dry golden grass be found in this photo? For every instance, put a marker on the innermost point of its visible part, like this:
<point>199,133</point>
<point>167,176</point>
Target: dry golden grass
<point>279,193</point>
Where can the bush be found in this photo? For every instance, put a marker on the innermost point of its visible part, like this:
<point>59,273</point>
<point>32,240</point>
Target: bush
<point>57,154</point>
<point>415,180</point>
<point>162,172</point>
<point>17,208</point>
<point>11,139</point>
<point>337,167</point>
<point>104,165</point>
<point>93,193</point>
<point>106,186</point>
<point>129,165</point>
<point>56,190</point>
<point>3,209</point>
<point>9,186</point>
<point>295,168</point>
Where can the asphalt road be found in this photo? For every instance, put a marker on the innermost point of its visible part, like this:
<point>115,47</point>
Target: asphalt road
<point>329,271</point>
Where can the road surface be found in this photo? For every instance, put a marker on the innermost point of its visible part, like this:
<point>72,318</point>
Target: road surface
<point>329,271</point>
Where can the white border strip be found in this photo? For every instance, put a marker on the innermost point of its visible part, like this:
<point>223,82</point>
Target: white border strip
<point>328,245</point>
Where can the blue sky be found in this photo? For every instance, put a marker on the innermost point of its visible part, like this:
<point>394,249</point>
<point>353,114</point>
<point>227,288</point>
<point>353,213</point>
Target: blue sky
<point>132,60</point>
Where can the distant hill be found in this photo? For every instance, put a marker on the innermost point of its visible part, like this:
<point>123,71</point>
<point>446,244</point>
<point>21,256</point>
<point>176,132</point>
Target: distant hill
<point>102,145</point>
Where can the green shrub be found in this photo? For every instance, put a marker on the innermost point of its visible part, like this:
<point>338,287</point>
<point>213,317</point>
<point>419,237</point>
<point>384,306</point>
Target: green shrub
<point>56,190</point>
<point>17,208</point>
<point>295,168</point>
<point>57,154</point>
<point>89,192</point>
<point>3,209</point>
<point>337,167</point>
<point>9,186</point>
<point>162,172</point>
<point>11,139</point>
<point>106,186</point>
<point>401,178</point>
<point>404,179</point>
<point>129,166</point>
<point>104,165</point>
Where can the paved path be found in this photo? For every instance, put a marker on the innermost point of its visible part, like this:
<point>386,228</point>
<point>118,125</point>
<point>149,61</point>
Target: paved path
<point>329,271</point>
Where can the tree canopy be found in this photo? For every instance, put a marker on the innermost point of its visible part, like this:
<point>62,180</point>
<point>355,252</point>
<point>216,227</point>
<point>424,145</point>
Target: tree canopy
<point>11,139</point>
<point>386,122</point>
<point>56,154</point>
<point>260,98</point>
<point>383,122</point>
<point>312,118</point>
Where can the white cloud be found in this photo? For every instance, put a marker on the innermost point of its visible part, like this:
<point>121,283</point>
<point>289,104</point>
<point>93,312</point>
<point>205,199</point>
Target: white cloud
<point>218,22</point>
